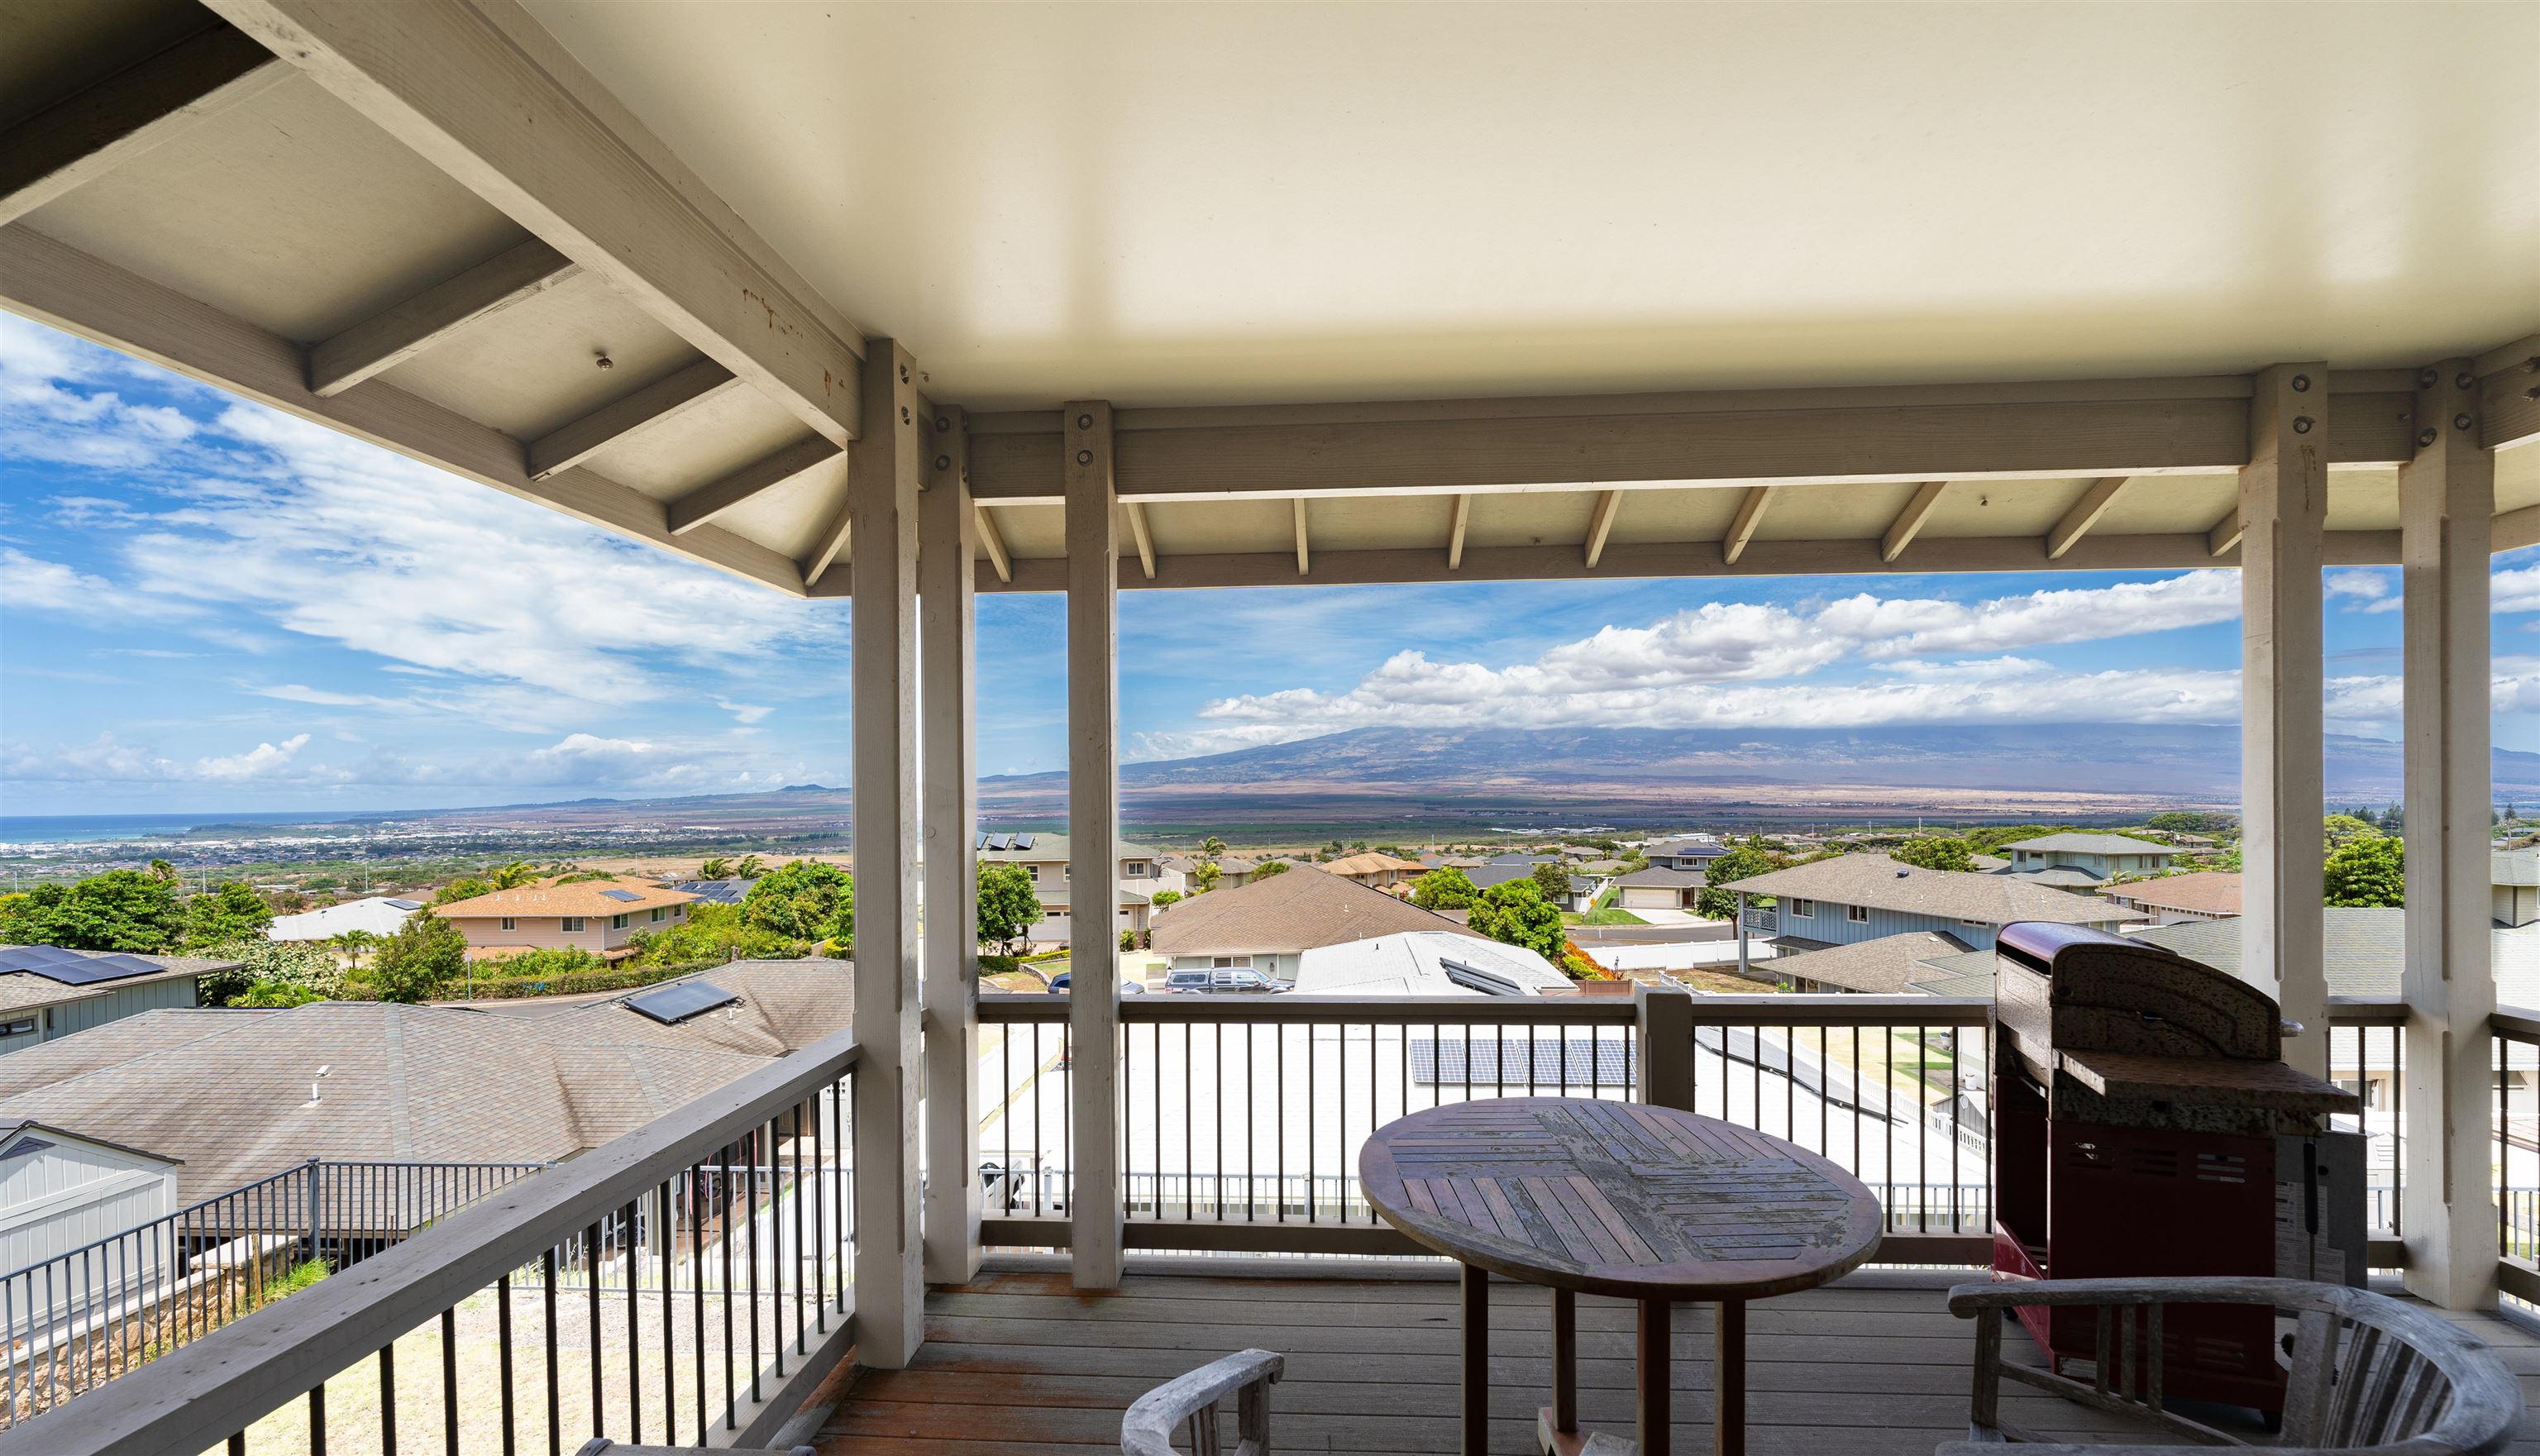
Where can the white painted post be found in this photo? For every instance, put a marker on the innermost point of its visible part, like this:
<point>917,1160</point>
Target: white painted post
<point>2446,500</point>
<point>882,503</point>
<point>947,540</point>
<point>1093,841</point>
<point>2283,506</point>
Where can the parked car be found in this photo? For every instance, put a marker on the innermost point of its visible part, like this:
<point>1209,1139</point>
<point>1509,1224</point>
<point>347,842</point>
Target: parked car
<point>1059,982</point>
<point>1222,982</point>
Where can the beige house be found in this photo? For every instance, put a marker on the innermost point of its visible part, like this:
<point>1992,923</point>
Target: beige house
<point>1044,856</point>
<point>601,916</point>
<point>1377,870</point>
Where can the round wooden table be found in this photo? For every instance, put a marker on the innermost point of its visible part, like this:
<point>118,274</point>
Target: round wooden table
<point>1621,1199</point>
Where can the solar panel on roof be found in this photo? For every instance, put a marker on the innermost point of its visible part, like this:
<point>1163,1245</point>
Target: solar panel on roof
<point>1511,1062</point>
<point>627,895</point>
<point>70,967</point>
<point>674,1003</point>
<point>405,904</point>
<point>983,840</point>
<point>1024,841</point>
<point>1000,842</point>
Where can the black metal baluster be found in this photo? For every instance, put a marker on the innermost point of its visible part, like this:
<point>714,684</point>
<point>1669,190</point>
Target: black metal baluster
<point>503,1357</point>
<point>555,1387</point>
<point>317,1420</point>
<point>450,1380</point>
<point>722,1219</point>
<point>752,1220</point>
<point>697,1286</point>
<point>591,1279</point>
<point>668,1234</point>
<point>388,1400</point>
<point>634,1327</point>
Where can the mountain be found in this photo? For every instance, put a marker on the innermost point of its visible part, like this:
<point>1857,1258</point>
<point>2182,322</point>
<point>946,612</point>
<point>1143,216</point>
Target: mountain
<point>2063,770</point>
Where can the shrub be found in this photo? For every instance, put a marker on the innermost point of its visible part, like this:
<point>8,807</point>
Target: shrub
<point>713,933</point>
<point>1516,913</point>
<point>1936,853</point>
<point>557,961</point>
<point>522,987</point>
<point>1448,888</point>
<point>120,910</point>
<point>426,953</point>
<point>804,900</point>
<point>290,973</point>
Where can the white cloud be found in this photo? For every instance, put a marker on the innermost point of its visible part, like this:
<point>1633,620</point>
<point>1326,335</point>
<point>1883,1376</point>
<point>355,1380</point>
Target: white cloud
<point>746,714</point>
<point>2515,591</point>
<point>105,759</point>
<point>31,584</point>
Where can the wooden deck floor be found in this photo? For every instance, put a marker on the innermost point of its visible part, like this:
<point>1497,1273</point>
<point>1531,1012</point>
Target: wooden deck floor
<point>1018,1363</point>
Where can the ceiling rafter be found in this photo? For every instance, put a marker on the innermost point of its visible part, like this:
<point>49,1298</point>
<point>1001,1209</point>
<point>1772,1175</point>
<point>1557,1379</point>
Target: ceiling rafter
<point>1302,563</point>
<point>702,505</point>
<point>2224,534</point>
<point>2085,512</point>
<point>570,163</point>
<point>1455,531</point>
<point>993,541</point>
<point>1137,514</point>
<point>1750,515</point>
<point>1909,522</point>
<point>628,416</point>
<point>87,135</point>
<point>405,329</point>
<point>1601,525</point>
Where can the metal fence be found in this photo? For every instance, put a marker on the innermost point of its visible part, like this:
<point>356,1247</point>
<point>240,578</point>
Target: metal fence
<point>675,1287</point>
<point>77,1319</point>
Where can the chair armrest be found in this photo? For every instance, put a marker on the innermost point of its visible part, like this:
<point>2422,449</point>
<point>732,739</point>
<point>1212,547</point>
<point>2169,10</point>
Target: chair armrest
<point>1147,1427</point>
<point>1966,1299</point>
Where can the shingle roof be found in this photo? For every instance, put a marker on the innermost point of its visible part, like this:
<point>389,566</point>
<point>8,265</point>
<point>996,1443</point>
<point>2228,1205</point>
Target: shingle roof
<point>1371,862</point>
<point>379,915</point>
<point>1413,964</point>
<point>2516,866</point>
<point>2056,878</point>
<point>24,989</point>
<point>1297,911</point>
<point>1882,883</point>
<point>2206,893</point>
<point>1890,965</point>
<point>1665,878</point>
<point>2093,844</point>
<point>428,1083</point>
<point>587,897</point>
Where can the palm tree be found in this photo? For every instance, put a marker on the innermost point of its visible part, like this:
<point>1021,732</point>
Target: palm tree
<point>717,868</point>
<point>514,874</point>
<point>750,868</point>
<point>1210,847</point>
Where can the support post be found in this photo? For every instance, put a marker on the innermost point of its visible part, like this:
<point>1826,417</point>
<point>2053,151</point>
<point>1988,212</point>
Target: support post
<point>882,500</point>
<point>2284,511</point>
<point>1741,932</point>
<point>1666,1029</point>
<point>947,540</point>
<point>1093,842</point>
<point>2446,502</point>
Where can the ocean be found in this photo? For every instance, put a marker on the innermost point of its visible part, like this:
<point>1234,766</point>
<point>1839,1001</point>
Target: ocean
<point>73,828</point>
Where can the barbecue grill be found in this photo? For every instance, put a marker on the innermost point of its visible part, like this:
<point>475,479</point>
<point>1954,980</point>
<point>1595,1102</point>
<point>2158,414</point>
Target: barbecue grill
<point>2145,1123</point>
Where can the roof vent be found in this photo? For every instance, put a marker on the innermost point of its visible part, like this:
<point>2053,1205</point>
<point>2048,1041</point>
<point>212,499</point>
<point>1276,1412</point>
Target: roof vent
<point>1900,874</point>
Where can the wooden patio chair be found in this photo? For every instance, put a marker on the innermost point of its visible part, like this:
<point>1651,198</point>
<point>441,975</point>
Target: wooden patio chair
<point>1191,1401</point>
<point>2369,1373</point>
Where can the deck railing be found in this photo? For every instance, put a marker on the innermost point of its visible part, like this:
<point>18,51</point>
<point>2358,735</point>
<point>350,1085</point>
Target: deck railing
<point>686,1284</point>
<point>2514,1125</point>
<point>72,1322</point>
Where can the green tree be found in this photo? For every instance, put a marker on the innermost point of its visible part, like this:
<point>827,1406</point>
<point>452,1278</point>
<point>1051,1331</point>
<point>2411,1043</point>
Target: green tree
<point>543,962</point>
<point>711,932</point>
<point>750,868</point>
<point>120,910</point>
<point>1205,879</point>
<point>1553,881</point>
<point>1718,899</point>
<point>465,887</point>
<point>1516,913</point>
<point>514,874</point>
<point>1269,867</point>
<point>356,944</point>
<point>1933,852</point>
<point>227,910</point>
<point>1212,847</point>
<point>717,868</point>
<point>1445,888</point>
<point>804,900</point>
<point>425,955</point>
<point>2345,829</point>
<point>1162,898</point>
<point>1009,905</point>
<point>2369,871</point>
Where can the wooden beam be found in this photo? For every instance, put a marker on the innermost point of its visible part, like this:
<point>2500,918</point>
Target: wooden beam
<point>1600,523</point>
<point>947,540</point>
<point>2284,504</point>
<point>1302,565</point>
<point>1750,515</point>
<point>2224,534</point>
<point>484,94</point>
<point>2174,551</point>
<point>2507,410</point>
<point>833,550</point>
<point>1751,436</point>
<point>993,541</point>
<point>1455,531</point>
<point>1909,522</point>
<point>90,134</point>
<point>2446,514</point>
<point>1137,514</point>
<point>2517,529</point>
<point>2086,514</point>
<point>623,418</point>
<point>403,331</point>
<point>58,284</point>
<point>702,505</point>
<point>1092,576</point>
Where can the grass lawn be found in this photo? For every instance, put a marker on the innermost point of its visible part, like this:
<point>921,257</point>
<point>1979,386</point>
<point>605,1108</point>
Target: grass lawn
<point>1604,916</point>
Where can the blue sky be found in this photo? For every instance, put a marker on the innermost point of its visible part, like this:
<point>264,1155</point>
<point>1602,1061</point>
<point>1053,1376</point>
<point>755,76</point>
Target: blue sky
<point>208,605</point>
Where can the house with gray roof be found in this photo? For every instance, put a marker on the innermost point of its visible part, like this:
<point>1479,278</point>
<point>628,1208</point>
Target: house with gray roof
<point>1658,888</point>
<point>1858,897</point>
<point>2515,883</point>
<point>1269,925</point>
<point>2076,861</point>
<point>1044,856</point>
<point>1891,965</point>
<point>48,993</point>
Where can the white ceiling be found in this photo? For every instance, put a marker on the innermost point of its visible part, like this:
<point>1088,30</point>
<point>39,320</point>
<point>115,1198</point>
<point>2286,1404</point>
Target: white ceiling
<point>1232,202</point>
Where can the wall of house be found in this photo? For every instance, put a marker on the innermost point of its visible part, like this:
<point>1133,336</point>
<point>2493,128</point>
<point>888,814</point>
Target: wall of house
<point>1279,966</point>
<point>2102,865</point>
<point>67,1196</point>
<point>1656,897</point>
<point>1831,925</point>
<point>2515,904</point>
<point>63,1019</point>
<point>538,933</point>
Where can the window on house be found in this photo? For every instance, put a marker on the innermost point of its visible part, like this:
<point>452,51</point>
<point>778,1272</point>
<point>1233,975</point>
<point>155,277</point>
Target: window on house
<point>1229,962</point>
<point>1803,909</point>
<point>510,924</point>
<point>658,913</point>
<point>1968,919</point>
<point>23,1026</point>
<point>1032,872</point>
<point>617,922</point>
<point>1135,869</point>
<point>1858,914</point>
<point>571,925</point>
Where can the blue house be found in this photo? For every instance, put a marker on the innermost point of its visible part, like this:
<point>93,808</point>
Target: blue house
<point>1853,898</point>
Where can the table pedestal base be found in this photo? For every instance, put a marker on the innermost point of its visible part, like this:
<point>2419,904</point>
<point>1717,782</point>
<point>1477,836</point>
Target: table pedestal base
<point>1555,1427</point>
